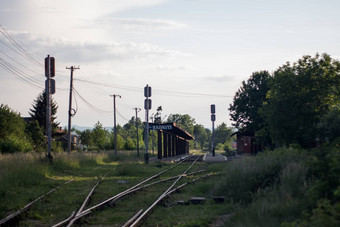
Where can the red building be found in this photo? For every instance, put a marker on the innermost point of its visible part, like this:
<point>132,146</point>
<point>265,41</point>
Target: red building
<point>247,143</point>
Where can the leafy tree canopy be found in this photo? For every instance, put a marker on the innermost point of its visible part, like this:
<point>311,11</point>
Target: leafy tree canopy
<point>301,94</point>
<point>248,100</point>
<point>10,122</point>
<point>184,121</point>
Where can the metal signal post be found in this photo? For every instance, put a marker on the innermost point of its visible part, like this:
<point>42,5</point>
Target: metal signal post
<point>49,90</point>
<point>147,107</point>
<point>213,119</point>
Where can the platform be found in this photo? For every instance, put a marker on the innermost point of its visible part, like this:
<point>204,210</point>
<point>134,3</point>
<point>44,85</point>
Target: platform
<point>217,158</point>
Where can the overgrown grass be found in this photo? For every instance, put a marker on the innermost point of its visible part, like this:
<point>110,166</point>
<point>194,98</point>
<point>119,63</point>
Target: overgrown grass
<point>26,176</point>
<point>268,189</point>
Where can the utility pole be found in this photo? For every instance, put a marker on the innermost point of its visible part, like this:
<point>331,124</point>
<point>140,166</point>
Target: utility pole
<point>72,68</point>
<point>152,144</point>
<point>114,116</point>
<point>137,110</point>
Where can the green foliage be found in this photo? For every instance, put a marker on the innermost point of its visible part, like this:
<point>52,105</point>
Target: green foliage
<point>38,112</point>
<point>244,177</point>
<point>13,143</point>
<point>184,121</point>
<point>200,135</point>
<point>300,95</point>
<point>36,135</point>
<point>10,122</point>
<point>324,194</point>
<point>329,125</point>
<point>222,134</point>
<point>86,137</point>
<point>99,135</point>
<point>12,132</point>
<point>248,100</point>
<point>325,167</point>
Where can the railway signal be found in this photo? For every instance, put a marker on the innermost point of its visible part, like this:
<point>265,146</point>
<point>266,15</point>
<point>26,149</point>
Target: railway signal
<point>213,119</point>
<point>49,90</point>
<point>147,107</point>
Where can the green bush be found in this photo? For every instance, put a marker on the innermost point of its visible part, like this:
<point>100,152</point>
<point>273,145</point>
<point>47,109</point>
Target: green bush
<point>14,144</point>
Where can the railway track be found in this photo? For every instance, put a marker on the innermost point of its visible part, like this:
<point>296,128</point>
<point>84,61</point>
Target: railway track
<point>172,179</point>
<point>149,182</point>
<point>16,216</point>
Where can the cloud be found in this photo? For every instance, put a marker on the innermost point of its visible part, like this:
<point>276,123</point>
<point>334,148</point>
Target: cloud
<point>94,51</point>
<point>224,78</point>
<point>173,68</point>
<point>137,24</point>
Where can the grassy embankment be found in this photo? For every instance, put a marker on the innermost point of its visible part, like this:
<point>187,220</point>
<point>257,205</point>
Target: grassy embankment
<point>271,189</point>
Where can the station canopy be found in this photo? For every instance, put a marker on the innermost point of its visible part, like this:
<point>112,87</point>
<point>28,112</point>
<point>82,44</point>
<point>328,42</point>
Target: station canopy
<point>173,129</point>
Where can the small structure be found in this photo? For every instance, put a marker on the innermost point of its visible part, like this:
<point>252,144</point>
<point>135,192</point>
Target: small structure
<point>172,140</point>
<point>246,143</point>
<point>75,141</point>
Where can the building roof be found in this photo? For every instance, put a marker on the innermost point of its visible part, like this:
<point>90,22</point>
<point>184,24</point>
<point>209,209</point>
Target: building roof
<point>173,129</point>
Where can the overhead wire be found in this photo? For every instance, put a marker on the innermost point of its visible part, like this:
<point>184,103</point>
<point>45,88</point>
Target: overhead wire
<point>121,115</point>
<point>158,91</point>
<point>19,74</point>
<point>89,104</point>
<point>23,52</point>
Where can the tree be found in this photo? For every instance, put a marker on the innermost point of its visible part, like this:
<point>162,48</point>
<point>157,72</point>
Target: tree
<point>222,133</point>
<point>329,126</point>
<point>99,135</point>
<point>10,123</point>
<point>38,112</point>
<point>86,137</point>
<point>248,100</point>
<point>300,96</point>
<point>184,121</point>
<point>36,135</point>
<point>12,131</point>
<point>158,115</point>
<point>200,135</point>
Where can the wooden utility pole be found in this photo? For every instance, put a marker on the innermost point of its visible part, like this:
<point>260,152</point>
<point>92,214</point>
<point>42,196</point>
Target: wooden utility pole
<point>137,110</point>
<point>72,68</point>
<point>114,115</point>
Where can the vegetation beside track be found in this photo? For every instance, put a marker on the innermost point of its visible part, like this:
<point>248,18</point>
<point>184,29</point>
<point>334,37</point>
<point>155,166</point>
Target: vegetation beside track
<point>286,187</point>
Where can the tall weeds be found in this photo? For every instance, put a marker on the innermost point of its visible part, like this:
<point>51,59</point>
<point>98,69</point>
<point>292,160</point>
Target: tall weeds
<point>267,189</point>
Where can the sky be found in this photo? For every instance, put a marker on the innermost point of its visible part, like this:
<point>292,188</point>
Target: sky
<point>193,53</point>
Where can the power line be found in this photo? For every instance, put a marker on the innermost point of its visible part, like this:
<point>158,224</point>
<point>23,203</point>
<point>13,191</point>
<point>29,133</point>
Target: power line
<point>90,105</point>
<point>19,74</point>
<point>157,91</point>
<point>23,52</point>
<point>18,62</point>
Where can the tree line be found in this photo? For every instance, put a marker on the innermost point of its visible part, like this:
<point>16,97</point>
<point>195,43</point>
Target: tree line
<point>17,134</point>
<point>102,138</point>
<point>299,103</point>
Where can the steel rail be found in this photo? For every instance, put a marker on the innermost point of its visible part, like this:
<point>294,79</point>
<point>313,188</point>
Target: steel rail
<point>119,195</point>
<point>84,203</point>
<point>27,206</point>
<point>142,216</point>
<point>133,218</point>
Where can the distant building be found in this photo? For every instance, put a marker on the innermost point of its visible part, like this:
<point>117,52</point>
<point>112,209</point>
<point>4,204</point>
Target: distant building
<point>247,143</point>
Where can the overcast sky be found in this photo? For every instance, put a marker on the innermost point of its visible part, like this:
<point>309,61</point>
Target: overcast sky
<point>193,53</point>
